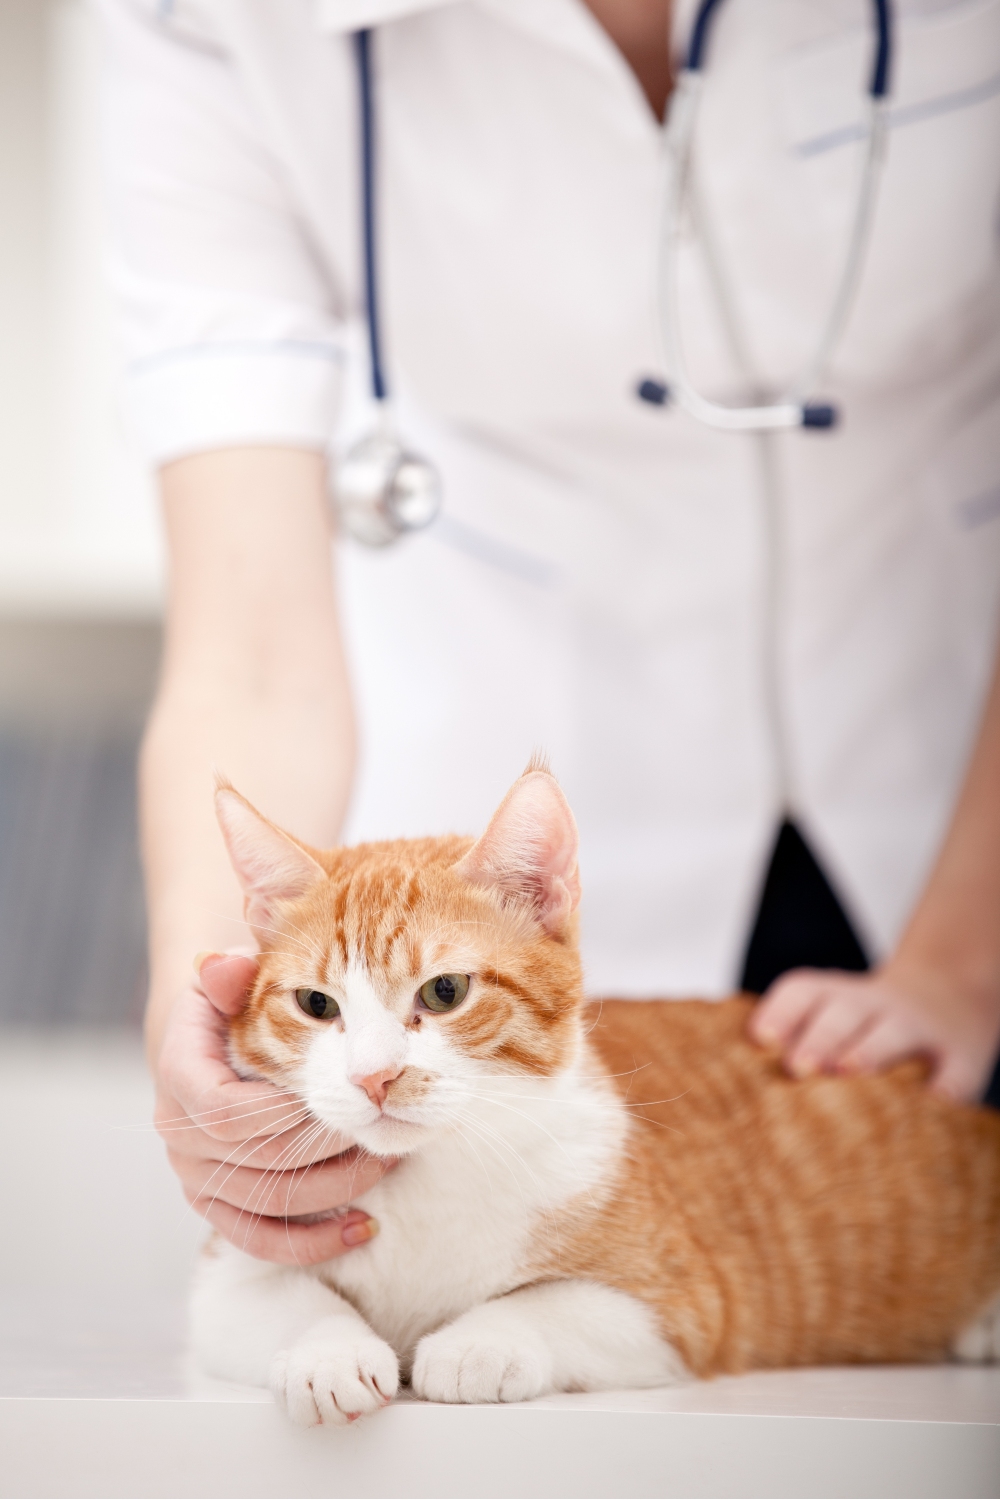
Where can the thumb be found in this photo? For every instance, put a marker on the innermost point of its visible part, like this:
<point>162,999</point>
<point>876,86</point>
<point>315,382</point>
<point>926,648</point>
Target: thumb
<point>225,979</point>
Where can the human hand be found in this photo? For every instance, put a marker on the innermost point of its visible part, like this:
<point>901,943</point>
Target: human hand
<point>826,1021</point>
<point>250,1158</point>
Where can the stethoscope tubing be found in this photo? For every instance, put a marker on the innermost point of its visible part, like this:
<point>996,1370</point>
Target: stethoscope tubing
<point>384,490</point>
<point>366,124</point>
<point>381,488</point>
<point>797,408</point>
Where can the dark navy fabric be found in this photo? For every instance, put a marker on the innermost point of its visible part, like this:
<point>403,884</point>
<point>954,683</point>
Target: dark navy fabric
<point>800,923</point>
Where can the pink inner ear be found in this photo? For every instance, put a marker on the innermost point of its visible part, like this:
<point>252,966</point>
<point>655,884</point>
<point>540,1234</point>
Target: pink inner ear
<point>530,850</point>
<point>270,866</point>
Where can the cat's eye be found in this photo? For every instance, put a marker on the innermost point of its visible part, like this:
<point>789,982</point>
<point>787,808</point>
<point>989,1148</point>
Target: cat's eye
<point>445,991</point>
<point>315,1003</point>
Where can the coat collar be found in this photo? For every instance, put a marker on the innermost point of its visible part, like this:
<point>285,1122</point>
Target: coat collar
<point>354,15</point>
<point>565,24</point>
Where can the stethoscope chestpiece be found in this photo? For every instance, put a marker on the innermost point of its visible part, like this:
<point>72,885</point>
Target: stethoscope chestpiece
<point>382,491</point>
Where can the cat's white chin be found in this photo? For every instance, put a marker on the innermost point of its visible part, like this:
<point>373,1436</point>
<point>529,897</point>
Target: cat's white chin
<point>389,1136</point>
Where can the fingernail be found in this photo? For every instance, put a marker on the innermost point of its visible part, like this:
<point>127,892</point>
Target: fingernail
<point>360,1231</point>
<point>202,957</point>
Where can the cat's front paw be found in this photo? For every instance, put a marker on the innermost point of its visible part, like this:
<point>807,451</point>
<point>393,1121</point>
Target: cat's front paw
<point>488,1364</point>
<point>336,1373</point>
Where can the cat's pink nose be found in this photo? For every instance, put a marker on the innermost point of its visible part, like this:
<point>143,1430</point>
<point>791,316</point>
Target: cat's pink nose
<point>375,1084</point>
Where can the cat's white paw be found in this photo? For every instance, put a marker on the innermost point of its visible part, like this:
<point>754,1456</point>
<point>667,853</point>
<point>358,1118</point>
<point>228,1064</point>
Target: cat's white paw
<point>979,1344</point>
<point>464,1364</point>
<point>334,1374</point>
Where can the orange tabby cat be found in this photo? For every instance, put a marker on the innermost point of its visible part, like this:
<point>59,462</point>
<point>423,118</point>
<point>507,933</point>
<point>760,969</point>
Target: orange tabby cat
<point>626,1193</point>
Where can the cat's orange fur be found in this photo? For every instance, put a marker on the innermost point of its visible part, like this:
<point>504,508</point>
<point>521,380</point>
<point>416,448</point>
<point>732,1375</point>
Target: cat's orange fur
<point>773,1221</point>
<point>767,1221</point>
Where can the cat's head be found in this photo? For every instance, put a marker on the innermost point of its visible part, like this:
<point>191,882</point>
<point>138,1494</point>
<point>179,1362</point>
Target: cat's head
<point>398,979</point>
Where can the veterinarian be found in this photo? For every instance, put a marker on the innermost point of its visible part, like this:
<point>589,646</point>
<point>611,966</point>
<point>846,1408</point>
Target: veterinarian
<point>760,661</point>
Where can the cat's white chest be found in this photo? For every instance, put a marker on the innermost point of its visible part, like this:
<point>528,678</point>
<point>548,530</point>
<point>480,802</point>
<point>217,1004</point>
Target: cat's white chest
<point>456,1221</point>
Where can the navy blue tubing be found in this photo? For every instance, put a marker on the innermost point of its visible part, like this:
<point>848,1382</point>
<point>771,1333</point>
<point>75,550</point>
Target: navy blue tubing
<point>363,57</point>
<point>699,35</point>
<point>879,86</point>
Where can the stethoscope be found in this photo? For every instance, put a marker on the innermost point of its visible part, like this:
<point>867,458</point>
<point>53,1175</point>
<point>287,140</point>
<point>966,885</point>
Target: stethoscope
<point>384,490</point>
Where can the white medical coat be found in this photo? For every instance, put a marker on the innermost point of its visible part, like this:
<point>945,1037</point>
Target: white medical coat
<point>609,582</point>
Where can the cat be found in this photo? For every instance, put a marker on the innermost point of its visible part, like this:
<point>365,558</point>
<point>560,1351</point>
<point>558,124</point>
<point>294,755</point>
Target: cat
<point>588,1196</point>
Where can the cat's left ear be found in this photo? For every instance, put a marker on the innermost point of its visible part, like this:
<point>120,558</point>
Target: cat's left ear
<point>270,865</point>
<point>530,851</point>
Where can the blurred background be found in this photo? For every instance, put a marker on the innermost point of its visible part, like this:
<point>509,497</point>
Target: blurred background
<point>97,1240</point>
<point>80,556</point>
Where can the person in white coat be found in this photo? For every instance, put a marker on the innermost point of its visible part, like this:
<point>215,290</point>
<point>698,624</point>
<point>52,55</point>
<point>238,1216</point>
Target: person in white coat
<point>760,662</point>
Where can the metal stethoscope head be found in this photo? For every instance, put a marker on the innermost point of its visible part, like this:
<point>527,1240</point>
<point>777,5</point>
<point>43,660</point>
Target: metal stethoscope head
<point>381,489</point>
<point>798,408</point>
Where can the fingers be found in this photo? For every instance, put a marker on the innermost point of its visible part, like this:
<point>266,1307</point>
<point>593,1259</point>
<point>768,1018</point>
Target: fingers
<point>228,1111</point>
<point>302,1141</point>
<point>815,1017</point>
<point>290,1151</point>
<point>226,979</point>
<point>786,1007</point>
<point>890,1039</point>
<point>193,1068</point>
<point>863,1023</point>
<point>319,1189</point>
<point>840,1018</point>
<point>960,1067</point>
<point>205,1129</point>
<point>846,1023</point>
<point>299,1146</point>
<point>282,1240</point>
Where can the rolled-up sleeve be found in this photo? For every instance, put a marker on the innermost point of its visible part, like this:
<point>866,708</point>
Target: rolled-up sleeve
<point>226,314</point>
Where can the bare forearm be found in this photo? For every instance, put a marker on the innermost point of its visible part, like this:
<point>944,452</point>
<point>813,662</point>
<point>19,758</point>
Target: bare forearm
<point>253,686</point>
<point>955,929</point>
<point>288,759</point>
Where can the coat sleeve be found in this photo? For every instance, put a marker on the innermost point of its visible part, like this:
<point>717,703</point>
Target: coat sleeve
<point>228,316</point>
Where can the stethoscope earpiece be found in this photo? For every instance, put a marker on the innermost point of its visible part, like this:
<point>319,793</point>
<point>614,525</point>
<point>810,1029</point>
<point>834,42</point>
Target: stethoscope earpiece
<point>653,392</point>
<point>820,415</point>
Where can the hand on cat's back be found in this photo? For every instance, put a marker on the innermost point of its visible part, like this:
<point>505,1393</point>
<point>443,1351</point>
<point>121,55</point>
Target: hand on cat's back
<point>825,1021</point>
<point>246,1153</point>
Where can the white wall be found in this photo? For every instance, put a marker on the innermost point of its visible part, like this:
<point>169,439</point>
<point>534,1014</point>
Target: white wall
<point>78,524</point>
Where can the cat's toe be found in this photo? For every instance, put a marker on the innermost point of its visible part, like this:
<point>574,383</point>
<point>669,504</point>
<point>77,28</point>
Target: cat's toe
<point>334,1382</point>
<point>452,1368</point>
<point>979,1344</point>
<point>293,1395</point>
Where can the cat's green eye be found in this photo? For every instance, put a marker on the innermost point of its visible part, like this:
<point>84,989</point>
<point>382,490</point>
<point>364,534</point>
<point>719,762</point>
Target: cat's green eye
<point>315,1003</point>
<point>445,991</point>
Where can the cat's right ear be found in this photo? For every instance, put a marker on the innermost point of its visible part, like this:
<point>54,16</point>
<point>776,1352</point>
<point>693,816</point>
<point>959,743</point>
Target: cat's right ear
<point>529,852</point>
<point>271,867</point>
